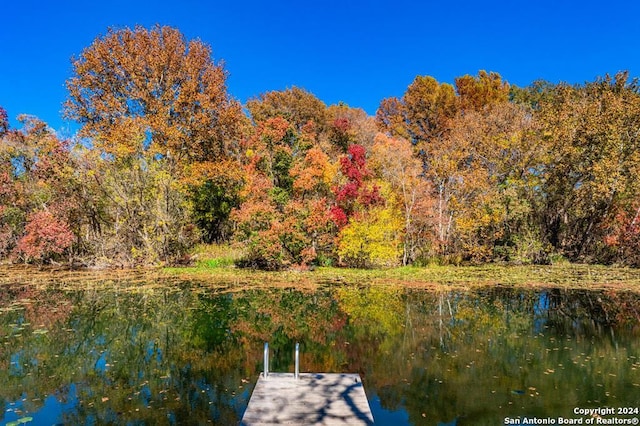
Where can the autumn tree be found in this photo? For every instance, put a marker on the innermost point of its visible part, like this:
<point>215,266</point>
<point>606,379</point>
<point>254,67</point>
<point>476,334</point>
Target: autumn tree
<point>45,236</point>
<point>481,92</point>
<point>391,118</point>
<point>38,205</point>
<point>622,235</point>
<point>283,219</point>
<point>156,106</point>
<point>366,214</point>
<point>136,211</point>
<point>590,182</point>
<point>4,122</point>
<point>469,140</point>
<point>484,174</point>
<point>494,184</point>
<point>167,88</point>
<point>373,237</point>
<point>392,159</point>
<point>295,105</point>
<point>348,126</point>
<point>7,190</point>
<point>358,190</point>
<point>423,114</point>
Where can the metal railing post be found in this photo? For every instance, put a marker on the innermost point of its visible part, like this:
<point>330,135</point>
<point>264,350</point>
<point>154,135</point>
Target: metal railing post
<point>266,359</point>
<point>297,362</point>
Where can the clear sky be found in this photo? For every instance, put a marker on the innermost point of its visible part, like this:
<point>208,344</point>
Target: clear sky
<point>358,52</point>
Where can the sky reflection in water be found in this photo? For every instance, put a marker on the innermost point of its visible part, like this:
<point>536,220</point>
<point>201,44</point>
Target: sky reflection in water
<point>188,355</point>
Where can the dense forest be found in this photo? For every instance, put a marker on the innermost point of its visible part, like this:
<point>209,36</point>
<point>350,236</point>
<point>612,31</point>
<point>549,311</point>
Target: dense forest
<point>166,158</point>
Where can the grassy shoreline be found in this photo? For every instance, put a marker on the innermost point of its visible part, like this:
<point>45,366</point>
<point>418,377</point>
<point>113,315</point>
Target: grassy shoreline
<point>222,274</point>
<point>576,276</point>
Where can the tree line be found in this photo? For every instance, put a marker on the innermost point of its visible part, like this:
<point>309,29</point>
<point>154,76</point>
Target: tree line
<point>475,171</point>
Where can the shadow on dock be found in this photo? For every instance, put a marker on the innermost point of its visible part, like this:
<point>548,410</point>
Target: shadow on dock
<point>312,399</point>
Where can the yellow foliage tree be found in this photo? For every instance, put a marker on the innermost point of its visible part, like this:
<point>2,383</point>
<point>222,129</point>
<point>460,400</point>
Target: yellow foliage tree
<point>373,237</point>
<point>393,160</point>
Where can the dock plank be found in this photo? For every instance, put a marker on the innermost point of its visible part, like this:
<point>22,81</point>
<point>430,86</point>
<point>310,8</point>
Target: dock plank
<point>313,399</point>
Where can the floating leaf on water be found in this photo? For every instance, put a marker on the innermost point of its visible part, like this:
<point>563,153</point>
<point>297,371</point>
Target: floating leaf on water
<point>20,421</point>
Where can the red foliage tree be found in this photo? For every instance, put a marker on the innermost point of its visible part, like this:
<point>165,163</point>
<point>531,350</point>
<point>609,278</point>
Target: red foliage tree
<point>45,236</point>
<point>354,193</point>
<point>623,235</point>
<point>339,132</point>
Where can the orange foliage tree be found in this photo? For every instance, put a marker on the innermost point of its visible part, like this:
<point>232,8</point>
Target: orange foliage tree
<point>297,106</point>
<point>156,108</point>
<point>477,170</point>
<point>161,86</point>
<point>393,161</point>
<point>480,161</point>
<point>283,219</point>
<point>481,92</point>
<point>424,116</point>
<point>39,210</point>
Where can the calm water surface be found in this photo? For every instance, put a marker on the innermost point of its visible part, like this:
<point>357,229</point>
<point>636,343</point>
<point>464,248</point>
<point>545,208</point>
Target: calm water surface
<point>185,354</point>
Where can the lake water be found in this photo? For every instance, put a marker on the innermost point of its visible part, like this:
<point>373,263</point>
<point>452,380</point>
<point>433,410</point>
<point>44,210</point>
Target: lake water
<point>188,354</point>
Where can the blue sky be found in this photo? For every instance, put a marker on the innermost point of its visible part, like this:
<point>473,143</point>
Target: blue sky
<point>358,52</point>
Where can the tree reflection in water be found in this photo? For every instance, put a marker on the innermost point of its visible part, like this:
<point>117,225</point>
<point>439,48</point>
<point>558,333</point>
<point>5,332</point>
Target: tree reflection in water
<point>186,354</point>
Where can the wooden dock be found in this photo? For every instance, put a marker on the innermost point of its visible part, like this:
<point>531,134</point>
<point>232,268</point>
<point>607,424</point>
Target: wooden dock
<point>312,399</point>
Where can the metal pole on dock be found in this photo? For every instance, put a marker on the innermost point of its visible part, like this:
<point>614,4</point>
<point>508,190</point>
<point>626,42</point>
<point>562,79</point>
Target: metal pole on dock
<point>297,362</point>
<point>266,359</point>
